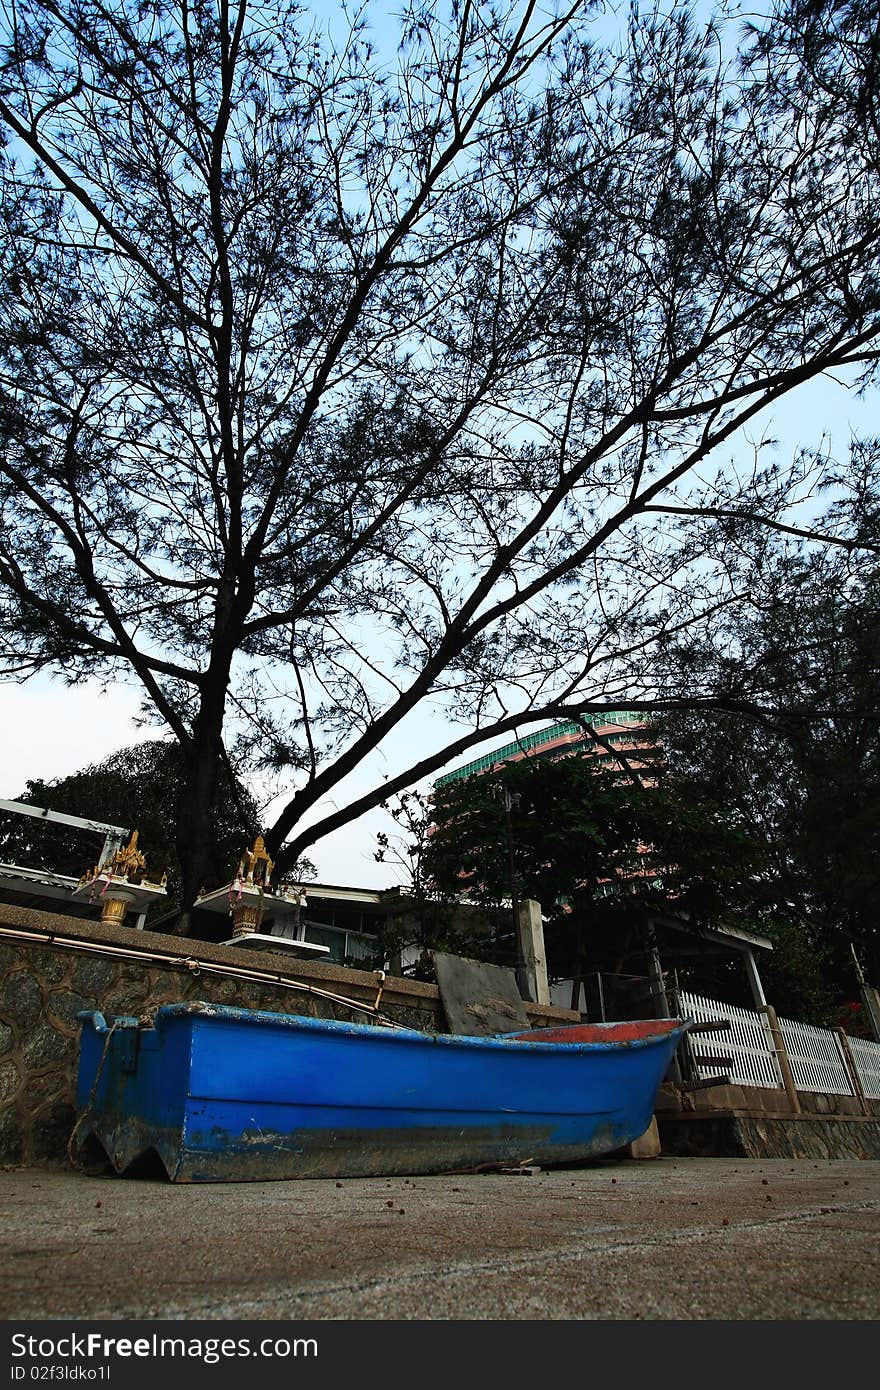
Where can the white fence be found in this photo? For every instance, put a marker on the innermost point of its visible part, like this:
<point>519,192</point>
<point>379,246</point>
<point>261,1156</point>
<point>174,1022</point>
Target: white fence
<point>816,1058</point>
<point>816,1055</point>
<point>748,1043</point>
<point>866,1057</point>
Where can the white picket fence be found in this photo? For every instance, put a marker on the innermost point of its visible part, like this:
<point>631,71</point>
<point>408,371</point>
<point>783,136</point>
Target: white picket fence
<point>748,1043</point>
<point>866,1056</point>
<point>816,1056</point>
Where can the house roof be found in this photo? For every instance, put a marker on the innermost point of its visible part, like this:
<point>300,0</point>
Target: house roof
<point>724,934</point>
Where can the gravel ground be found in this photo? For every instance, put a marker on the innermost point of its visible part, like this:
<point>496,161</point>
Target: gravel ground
<point>668,1238</point>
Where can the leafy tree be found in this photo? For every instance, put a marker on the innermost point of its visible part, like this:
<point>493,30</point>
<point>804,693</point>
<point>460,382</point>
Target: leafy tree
<point>601,853</point>
<point>799,976</point>
<point>137,788</point>
<point>407,848</point>
<point>330,388</point>
<point>807,779</point>
<point>433,919</point>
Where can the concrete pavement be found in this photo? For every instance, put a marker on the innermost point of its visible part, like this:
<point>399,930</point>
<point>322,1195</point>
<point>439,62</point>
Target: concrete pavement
<point>668,1238</point>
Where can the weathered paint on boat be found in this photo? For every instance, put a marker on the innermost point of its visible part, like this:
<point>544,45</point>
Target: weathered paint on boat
<point>630,1031</point>
<point>226,1094</point>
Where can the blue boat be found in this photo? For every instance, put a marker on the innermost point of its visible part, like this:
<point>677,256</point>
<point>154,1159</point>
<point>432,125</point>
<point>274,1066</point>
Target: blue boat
<point>222,1094</point>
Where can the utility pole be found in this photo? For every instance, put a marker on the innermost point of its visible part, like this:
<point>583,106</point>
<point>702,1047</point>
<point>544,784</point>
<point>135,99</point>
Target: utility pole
<point>870,997</point>
<point>509,800</point>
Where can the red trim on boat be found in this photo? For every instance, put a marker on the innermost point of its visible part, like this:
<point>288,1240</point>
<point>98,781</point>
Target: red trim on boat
<point>601,1032</point>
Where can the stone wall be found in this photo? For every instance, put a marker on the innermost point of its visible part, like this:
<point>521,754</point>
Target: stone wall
<point>731,1121</point>
<point>750,1100</point>
<point>704,1135</point>
<point>49,972</point>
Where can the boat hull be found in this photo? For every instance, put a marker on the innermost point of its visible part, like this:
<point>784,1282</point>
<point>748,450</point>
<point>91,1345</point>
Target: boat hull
<point>224,1094</point>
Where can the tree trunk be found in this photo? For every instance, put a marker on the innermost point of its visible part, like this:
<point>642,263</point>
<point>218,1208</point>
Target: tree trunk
<point>196,810</point>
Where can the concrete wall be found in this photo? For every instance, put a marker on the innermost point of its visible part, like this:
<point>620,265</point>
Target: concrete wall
<point>703,1135</point>
<point>750,1100</point>
<point>47,977</point>
<point>754,1122</point>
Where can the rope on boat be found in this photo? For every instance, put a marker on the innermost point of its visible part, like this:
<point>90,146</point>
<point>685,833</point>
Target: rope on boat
<point>90,1170</point>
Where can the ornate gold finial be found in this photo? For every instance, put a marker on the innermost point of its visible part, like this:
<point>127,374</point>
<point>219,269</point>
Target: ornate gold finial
<point>126,862</point>
<point>256,866</point>
<point>125,883</point>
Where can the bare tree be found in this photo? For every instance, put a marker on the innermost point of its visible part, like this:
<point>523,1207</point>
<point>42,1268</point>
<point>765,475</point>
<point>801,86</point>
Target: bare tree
<point>331,386</point>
